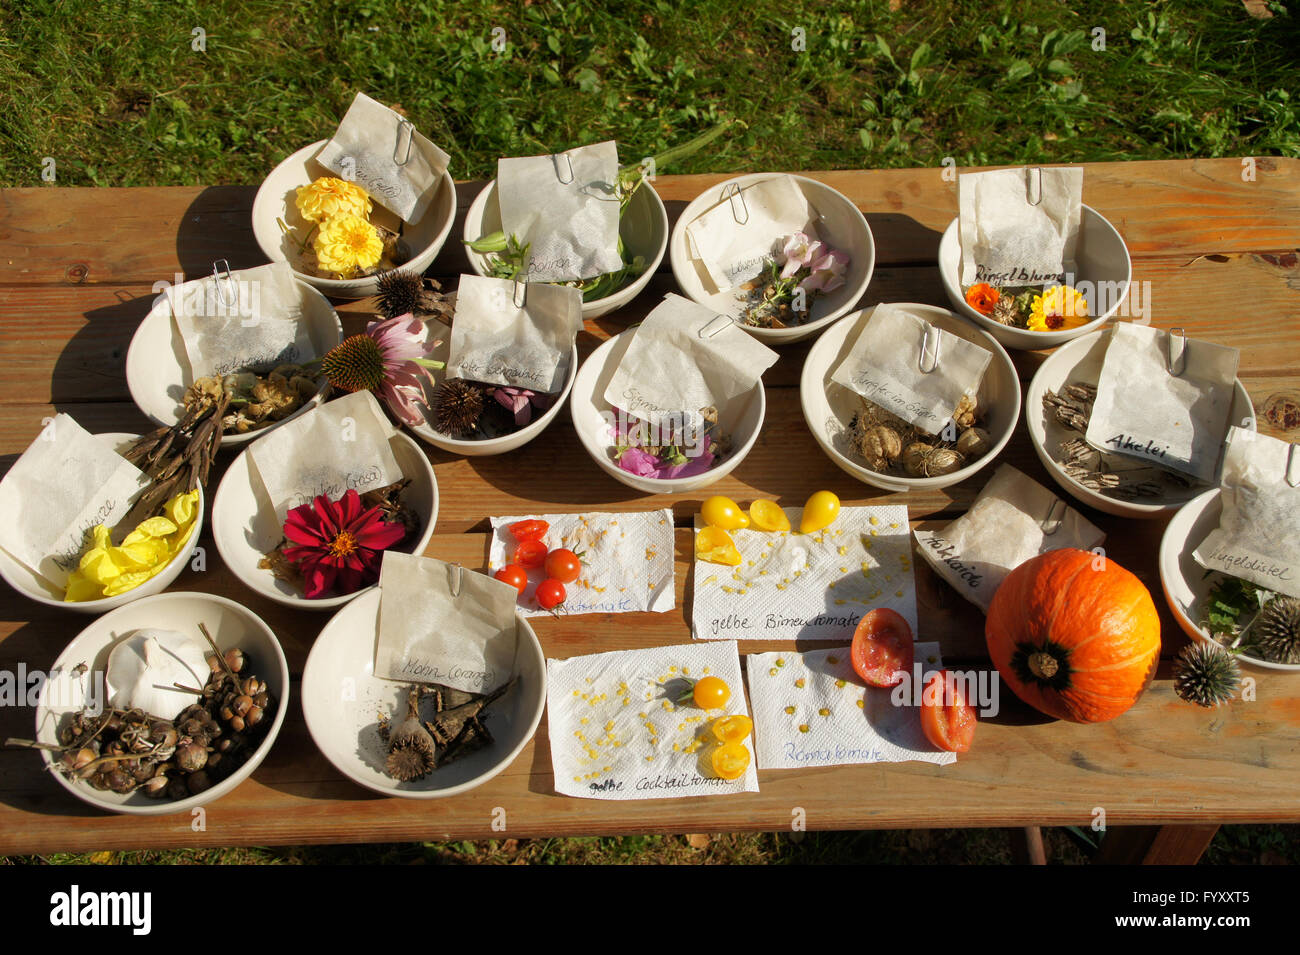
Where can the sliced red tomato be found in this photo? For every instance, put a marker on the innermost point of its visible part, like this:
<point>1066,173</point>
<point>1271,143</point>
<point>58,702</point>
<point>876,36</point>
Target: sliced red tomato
<point>531,553</point>
<point>531,530</point>
<point>882,648</point>
<point>947,717</point>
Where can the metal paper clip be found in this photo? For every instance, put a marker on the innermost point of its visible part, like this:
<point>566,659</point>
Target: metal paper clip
<point>1055,514</point>
<point>568,162</point>
<point>704,332</point>
<point>1177,356</point>
<point>404,126</point>
<point>520,294</point>
<point>456,579</point>
<point>929,350</point>
<point>1293,467</point>
<point>731,193</point>
<point>219,266</point>
<point>1037,172</point>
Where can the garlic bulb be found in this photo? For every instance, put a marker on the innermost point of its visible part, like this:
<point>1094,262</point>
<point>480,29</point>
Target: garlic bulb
<point>143,668</point>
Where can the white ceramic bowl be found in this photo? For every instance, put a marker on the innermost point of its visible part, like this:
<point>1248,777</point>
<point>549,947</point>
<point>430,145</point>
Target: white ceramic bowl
<point>230,626</point>
<point>341,698</point>
<point>37,588</point>
<point>1102,260</point>
<point>504,443</point>
<point>828,408</point>
<point>840,224</point>
<point>1080,361</point>
<point>1186,583</point>
<point>742,419</point>
<point>643,227</point>
<point>275,200</point>
<point>245,527</point>
<point>158,370</point>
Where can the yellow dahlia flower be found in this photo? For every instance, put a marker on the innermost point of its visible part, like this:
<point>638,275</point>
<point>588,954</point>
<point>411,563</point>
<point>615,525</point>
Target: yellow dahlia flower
<point>327,197</point>
<point>346,244</point>
<point>1059,308</point>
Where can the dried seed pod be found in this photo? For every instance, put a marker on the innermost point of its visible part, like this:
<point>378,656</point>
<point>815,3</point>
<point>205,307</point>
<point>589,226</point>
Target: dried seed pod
<point>914,457</point>
<point>966,414</point>
<point>974,443</point>
<point>197,782</point>
<point>176,788</point>
<point>942,461</point>
<point>241,705</point>
<point>411,750</point>
<point>254,715</point>
<point>237,724</point>
<point>156,787</point>
<point>191,757</point>
<point>235,659</point>
<point>119,780</point>
<point>878,444</point>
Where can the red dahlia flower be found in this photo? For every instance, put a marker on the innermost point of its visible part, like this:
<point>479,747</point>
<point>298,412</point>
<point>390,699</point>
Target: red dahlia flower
<point>336,545</point>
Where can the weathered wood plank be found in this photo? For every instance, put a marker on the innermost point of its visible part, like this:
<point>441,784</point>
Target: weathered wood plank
<point>142,235</point>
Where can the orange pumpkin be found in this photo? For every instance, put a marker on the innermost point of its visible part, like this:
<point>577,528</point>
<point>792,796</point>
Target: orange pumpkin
<point>1074,635</point>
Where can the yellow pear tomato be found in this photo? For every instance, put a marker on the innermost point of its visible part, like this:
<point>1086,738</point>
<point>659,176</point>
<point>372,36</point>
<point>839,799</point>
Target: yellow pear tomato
<point>819,513</point>
<point>768,516</point>
<point>714,545</point>
<point>723,512</point>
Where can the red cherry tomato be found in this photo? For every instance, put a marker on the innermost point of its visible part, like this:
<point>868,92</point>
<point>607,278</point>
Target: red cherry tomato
<point>550,594</point>
<point>882,648</point>
<point>514,575</point>
<point>529,530</point>
<point>564,565</point>
<point>947,717</point>
<point>530,554</point>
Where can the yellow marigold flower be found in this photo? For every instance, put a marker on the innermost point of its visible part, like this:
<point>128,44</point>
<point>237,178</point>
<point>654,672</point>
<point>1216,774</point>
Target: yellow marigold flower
<point>1060,307</point>
<point>327,197</point>
<point>106,571</point>
<point>347,244</point>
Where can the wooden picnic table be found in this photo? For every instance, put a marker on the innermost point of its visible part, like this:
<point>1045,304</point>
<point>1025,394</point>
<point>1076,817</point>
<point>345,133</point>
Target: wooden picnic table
<point>1212,252</point>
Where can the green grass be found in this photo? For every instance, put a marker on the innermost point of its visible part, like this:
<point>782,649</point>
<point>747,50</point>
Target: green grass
<point>114,92</point>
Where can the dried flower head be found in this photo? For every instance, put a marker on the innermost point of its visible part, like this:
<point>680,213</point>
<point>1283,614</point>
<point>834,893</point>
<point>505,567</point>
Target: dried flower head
<point>403,292</point>
<point>347,244</point>
<point>327,198</point>
<point>457,407</point>
<point>1206,674</point>
<point>1275,634</point>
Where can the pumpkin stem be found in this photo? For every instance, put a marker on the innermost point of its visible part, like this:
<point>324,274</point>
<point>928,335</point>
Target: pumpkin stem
<point>1043,665</point>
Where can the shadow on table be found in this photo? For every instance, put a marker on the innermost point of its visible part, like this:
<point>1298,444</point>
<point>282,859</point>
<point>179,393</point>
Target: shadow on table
<point>217,225</point>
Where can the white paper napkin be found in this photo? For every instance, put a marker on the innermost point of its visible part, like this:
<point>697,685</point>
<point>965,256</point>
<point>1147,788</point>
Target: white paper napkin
<point>808,586</point>
<point>811,709</point>
<point>616,734</point>
<point>627,560</point>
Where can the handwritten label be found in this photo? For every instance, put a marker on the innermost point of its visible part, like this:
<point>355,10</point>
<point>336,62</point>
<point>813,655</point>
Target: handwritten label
<point>897,398</point>
<point>435,673</point>
<point>334,486</point>
<point>947,554</point>
<point>833,757</point>
<point>477,369</point>
<point>1132,445</point>
<point>1016,276</point>
<point>1228,560</point>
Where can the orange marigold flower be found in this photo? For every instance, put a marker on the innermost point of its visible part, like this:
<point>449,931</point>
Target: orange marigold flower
<point>982,298</point>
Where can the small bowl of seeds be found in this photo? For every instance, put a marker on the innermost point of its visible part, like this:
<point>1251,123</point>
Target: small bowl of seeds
<point>879,449</point>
